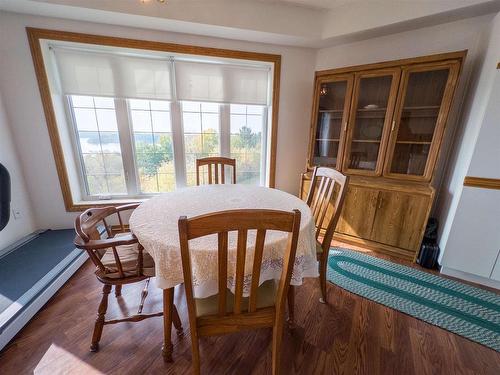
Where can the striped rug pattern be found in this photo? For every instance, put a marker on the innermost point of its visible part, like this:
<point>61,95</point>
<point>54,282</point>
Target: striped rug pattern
<point>470,312</point>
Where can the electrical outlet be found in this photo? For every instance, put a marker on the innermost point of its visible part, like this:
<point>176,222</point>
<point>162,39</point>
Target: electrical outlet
<point>16,214</point>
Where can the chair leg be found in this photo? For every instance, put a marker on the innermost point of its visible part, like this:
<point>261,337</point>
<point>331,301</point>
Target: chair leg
<point>177,321</point>
<point>144,294</point>
<point>118,290</point>
<point>291,306</point>
<point>195,351</point>
<point>322,279</point>
<point>276,346</point>
<point>99,323</point>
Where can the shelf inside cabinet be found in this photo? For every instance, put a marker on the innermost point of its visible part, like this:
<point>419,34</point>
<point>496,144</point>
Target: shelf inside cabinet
<point>328,139</point>
<point>414,142</point>
<point>331,110</point>
<point>366,140</point>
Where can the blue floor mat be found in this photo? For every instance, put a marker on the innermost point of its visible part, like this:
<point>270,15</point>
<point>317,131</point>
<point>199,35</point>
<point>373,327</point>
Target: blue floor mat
<point>26,265</point>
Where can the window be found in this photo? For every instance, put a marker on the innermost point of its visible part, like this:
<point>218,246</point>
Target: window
<point>99,145</point>
<point>134,120</point>
<point>201,125</point>
<point>153,145</point>
<point>247,130</point>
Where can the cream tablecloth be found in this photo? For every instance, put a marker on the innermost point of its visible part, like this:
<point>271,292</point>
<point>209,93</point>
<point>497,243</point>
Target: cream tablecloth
<point>154,223</point>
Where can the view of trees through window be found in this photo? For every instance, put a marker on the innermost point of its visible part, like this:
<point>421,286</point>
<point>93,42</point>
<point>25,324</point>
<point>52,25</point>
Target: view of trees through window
<point>101,155</point>
<point>154,152</point>
<point>151,138</point>
<point>201,124</point>
<point>247,126</point>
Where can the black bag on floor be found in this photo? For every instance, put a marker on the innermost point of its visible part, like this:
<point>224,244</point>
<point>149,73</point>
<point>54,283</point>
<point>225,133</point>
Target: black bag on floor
<point>429,251</point>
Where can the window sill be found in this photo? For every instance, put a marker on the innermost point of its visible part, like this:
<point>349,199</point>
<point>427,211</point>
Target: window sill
<point>83,205</point>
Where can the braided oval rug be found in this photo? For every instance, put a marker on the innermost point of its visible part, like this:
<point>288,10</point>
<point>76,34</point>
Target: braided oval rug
<point>470,312</point>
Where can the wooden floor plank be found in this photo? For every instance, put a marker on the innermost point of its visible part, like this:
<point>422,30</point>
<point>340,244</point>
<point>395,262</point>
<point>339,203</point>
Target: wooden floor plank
<point>349,335</point>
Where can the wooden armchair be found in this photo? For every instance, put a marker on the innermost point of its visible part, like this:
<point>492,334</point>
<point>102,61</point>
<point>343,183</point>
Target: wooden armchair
<point>226,312</point>
<point>119,260</point>
<point>326,196</point>
<point>218,164</point>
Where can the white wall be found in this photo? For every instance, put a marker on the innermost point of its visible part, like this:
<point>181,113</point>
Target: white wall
<point>471,242</point>
<point>15,229</point>
<point>24,108</point>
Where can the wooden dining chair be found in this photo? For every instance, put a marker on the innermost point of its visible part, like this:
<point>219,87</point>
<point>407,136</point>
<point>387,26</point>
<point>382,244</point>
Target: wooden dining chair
<point>227,312</point>
<point>218,165</point>
<point>119,259</point>
<point>325,198</point>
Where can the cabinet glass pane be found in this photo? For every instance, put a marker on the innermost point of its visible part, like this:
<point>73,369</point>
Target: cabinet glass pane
<point>369,122</point>
<point>424,95</point>
<point>329,125</point>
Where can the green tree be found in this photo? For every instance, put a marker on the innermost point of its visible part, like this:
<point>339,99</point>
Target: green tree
<point>150,157</point>
<point>246,138</point>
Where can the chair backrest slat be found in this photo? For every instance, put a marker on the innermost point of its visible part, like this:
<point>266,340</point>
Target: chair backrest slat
<point>218,163</point>
<point>222,264</point>
<point>240,269</point>
<point>257,262</point>
<point>327,191</point>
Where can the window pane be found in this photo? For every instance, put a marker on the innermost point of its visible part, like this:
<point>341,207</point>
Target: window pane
<point>85,119</point>
<point>106,120</point>
<point>110,142</point>
<point>82,101</point>
<point>159,105</point>
<point>152,134</point>
<point>237,122</point>
<point>161,121</point>
<point>141,121</point>
<point>210,107</point>
<point>238,108</point>
<point>210,122</point>
<point>191,122</point>
<point>138,104</point>
<point>201,134</point>
<point>100,145</point>
<point>94,163</point>
<point>191,106</point>
<point>104,102</point>
<point>246,142</point>
<point>89,142</point>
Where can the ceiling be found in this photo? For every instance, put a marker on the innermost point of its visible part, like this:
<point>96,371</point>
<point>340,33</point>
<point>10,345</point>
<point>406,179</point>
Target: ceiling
<point>313,4</point>
<point>305,23</point>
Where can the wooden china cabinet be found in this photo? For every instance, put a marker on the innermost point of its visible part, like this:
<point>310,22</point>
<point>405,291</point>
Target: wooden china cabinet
<point>383,125</point>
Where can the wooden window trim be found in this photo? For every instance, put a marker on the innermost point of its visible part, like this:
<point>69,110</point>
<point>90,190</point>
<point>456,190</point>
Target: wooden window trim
<point>34,37</point>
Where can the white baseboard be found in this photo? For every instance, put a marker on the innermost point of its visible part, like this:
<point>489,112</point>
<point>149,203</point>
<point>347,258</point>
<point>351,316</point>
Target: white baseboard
<point>470,277</point>
<point>37,296</point>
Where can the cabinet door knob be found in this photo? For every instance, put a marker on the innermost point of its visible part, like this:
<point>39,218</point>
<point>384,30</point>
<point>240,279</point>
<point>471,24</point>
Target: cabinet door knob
<point>393,125</point>
<point>345,126</point>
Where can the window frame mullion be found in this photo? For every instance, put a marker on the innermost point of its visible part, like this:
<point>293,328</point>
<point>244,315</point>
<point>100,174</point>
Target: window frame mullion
<point>225,130</point>
<point>127,148</point>
<point>178,143</point>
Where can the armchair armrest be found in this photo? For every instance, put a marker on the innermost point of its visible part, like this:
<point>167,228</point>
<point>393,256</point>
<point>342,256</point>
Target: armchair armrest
<point>105,243</point>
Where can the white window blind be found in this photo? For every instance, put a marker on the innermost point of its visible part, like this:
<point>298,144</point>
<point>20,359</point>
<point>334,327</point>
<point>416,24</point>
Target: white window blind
<point>221,83</point>
<point>113,75</point>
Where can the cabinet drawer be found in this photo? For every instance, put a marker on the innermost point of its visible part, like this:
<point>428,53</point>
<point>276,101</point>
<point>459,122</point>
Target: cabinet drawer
<point>400,219</point>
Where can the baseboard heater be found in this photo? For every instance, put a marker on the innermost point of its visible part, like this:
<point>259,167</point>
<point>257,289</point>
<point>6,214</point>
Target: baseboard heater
<point>31,272</point>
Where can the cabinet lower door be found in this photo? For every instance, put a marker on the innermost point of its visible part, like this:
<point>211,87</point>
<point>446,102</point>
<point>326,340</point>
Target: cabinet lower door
<point>400,219</point>
<point>358,212</point>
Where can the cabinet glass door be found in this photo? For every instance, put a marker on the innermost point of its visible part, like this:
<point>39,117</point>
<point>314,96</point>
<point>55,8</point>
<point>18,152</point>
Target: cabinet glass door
<point>332,111</point>
<point>374,100</point>
<point>417,120</point>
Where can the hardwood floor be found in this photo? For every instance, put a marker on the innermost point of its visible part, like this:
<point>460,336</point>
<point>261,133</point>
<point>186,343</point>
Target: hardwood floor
<point>351,335</point>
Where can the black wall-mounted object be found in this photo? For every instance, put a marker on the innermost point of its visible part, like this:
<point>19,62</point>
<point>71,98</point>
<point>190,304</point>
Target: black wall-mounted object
<point>4,197</point>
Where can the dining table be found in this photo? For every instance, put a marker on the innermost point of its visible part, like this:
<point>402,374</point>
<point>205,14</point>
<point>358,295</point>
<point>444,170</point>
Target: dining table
<point>155,224</point>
